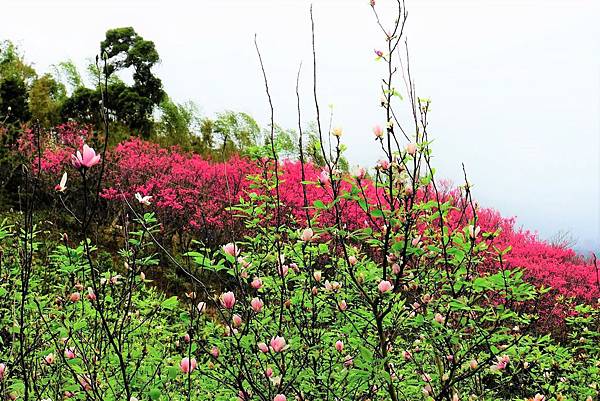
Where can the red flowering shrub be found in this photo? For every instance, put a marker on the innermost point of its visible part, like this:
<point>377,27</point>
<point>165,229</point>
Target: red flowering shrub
<point>192,194</point>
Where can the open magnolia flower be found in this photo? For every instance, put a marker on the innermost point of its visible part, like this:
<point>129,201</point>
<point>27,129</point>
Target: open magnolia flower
<point>85,159</point>
<point>144,200</point>
<point>62,185</point>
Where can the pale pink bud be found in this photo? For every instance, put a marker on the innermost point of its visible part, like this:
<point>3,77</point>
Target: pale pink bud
<point>85,382</point>
<point>90,295</point>
<point>256,283</point>
<point>231,249</point>
<point>2,370</point>
<point>307,234</point>
<point>214,351</point>
<point>186,338</point>
<point>69,354</point>
<point>439,318</point>
<point>228,300</point>
<point>236,320</point>
<point>263,347</point>
<point>411,148</point>
<point>473,364</point>
<point>201,307</point>
<point>342,305</point>
<point>339,345</point>
<point>359,173</point>
<point>186,365</point>
<point>415,241</point>
<point>396,268</point>
<point>385,286</point>
<point>378,132</point>
<point>348,361</point>
<point>280,397</point>
<point>337,132</point>
<point>352,259</point>
<point>75,297</point>
<point>317,275</point>
<point>269,372</point>
<point>407,355</point>
<point>257,304</point>
<point>278,344</point>
<point>49,359</point>
<point>378,53</point>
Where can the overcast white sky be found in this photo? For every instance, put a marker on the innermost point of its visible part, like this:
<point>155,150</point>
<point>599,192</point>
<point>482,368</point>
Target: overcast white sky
<point>515,84</point>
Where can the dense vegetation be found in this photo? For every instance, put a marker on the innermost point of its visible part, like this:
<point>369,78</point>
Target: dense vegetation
<point>258,267</point>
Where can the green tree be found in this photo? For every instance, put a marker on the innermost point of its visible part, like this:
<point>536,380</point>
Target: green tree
<point>125,49</point>
<point>45,100</point>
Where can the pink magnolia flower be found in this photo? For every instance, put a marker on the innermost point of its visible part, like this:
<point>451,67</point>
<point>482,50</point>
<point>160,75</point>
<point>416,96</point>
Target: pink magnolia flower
<point>307,234</point>
<point>263,347</point>
<point>353,260</point>
<point>406,355</point>
<point>228,300</point>
<point>256,283</point>
<point>339,345</point>
<point>372,3</point>
<point>257,304</point>
<point>378,132</point>
<point>415,241</point>
<point>269,372</point>
<point>280,397</point>
<point>439,318</point>
<point>332,286</point>
<point>144,200</point>
<point>378,53</point>
<point>187,338</point>
<point>201,307</point>
<point>214,351</point>
<point>75,297</point>
<point>278,344</point>
<point>359,172</point>
<point>502,362</point>
<point>90,295</point>
<point>186,365</point>
<point>49,358</point>
<point>474,231</point>
<point>473,364</point>
<point>282,270</point>
<point>62,185</point>
<point>231,249</point>
<point>86,160</point>
<point>337,132</point>
<point>2,370</point>
<point>69,354</point>
<point>411,148</point>
<point>385,286</point>
<point>324,178</point>
<point>396,268</point>
<point>342,305</point>
<point>383,164</point>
